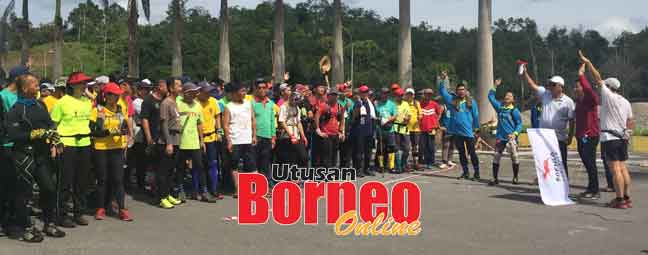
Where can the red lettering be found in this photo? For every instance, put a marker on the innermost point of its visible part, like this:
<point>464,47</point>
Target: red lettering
<point>398,209</point>
<point>286,211</point>
<point>368,200</point>
<point>333,190</point>
<point>313,191</point>
<point>252,204</point>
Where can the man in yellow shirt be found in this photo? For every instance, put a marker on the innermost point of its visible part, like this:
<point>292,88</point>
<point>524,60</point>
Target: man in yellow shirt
<point>59,91</point>
<point>402,132</point>
<point>211,134</point>
<point>413,124</point>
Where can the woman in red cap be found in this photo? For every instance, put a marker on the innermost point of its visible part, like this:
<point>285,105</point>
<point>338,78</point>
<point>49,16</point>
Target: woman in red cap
<point>110,132</point>
<point>72,117</point>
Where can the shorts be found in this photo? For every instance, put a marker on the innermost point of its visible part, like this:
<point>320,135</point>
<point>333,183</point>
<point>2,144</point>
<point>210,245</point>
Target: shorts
<point>615,150</point>
<point>242,158</point>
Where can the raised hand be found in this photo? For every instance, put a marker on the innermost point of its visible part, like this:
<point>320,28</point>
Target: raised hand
<point>286,76</point>
<point>498,82</point>
<point>581,69</point>
<point>582,57</point>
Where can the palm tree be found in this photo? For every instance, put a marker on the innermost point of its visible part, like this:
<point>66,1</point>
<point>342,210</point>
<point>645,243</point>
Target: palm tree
<point>224,51</point>
<point>177,15</point>
<point>279,52</point>
<point>133,50</point>
<point>338,45</point>
<point>405,45</point>
<point>24,28</point>
<point>3,33</point>
<point>57,70</point>
<point>484,61</point>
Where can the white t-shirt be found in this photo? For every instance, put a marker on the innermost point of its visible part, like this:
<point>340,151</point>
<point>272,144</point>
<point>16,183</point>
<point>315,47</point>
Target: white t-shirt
<point>240,124</point>
<point>556,113</point>
<point>615,112</point>
<point>139,136</point>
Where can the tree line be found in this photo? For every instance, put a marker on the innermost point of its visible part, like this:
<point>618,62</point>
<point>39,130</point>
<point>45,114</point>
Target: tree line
<point>370,40</point>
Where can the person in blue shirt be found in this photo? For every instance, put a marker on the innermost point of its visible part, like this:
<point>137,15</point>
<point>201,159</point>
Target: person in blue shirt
<point>464,123</point>
<point>386,114</point>
<point>509,126</point>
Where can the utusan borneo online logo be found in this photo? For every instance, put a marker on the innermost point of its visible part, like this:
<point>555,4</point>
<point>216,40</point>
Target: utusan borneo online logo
<point>368,209</point>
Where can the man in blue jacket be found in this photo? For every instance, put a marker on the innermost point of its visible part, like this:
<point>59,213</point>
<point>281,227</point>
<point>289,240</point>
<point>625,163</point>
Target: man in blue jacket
<point>509,126</point>
<point>464,123</point>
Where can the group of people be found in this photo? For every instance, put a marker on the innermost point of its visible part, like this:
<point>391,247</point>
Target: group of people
<point>79,140</point>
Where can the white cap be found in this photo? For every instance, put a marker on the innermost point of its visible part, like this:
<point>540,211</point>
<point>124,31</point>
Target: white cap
<point>146,81</point>
<point>558,80</point>
<point>410,90</point>
<point>613,83</point>
<point>283,86</point>
<point>102,79</point>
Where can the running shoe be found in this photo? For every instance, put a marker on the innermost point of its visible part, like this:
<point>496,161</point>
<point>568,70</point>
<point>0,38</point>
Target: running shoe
<point>618,204</point>
<point>51,230</point>
<point>125,215</point>
<point>628,202</point>
<point>173,200</point>
<point>66,222</point>
<point>80,220</point>
<point>164,203</point>
<point>493,182</point>
<point>29,235</point>
<point>515,181</point>
<point>100,214</point>
<point>464,177</point>
<point>207,198</point>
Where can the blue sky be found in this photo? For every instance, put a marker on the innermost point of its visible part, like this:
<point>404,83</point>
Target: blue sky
<point>609,17</point>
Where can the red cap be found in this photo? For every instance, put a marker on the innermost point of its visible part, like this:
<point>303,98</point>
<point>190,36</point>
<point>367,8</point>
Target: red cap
<point>395,86</point>
<point>78,78</point>
<point>341,86</point>
<point>521,62</point>
<point>363,89</point>
<point>399,92</point>
<point>112,88</point>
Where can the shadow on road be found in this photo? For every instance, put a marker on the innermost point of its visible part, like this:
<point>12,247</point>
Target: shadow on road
<point>534,199</point>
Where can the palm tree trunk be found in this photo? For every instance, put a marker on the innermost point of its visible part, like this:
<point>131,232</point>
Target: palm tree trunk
<point>279,52</point>
<point>405,45</point>
<point>484,61</point>
<point>24,35</point>
<point>224,50</point>
<point>133,50</point>
<point>176,62</point>
<point>57,70</point>
<point>337,58</point>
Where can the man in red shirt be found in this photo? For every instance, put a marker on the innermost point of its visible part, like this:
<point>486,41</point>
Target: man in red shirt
<point>329,121</point>
<point>429,123</point>
<point>587,130</point>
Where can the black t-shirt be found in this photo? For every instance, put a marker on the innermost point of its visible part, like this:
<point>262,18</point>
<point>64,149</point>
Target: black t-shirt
<point>151,112</point>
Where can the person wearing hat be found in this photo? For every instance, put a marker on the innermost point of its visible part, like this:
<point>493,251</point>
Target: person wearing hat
<point>386,112</point>
<point>402,132</point>
<point>291,139</point>
<point>346,146</point>
<point>240,131</point>
<point>57,93</point>
<point>431,113</point>
<point>8,97</point>
<point>33,133</point>
<point>329,124</point>
<point>617,122</point>
<point>192,145</point>
<point>463,125</point>
<point>71,114</point>
<point>168,144</point>
<point>284,93</point>
<point>362,119</point>
<point>110,132</point>
<point>413,126</point>
<point>557,111</point>
<point>137,161</point>
<point>211,125</point>
<point>46,89</point>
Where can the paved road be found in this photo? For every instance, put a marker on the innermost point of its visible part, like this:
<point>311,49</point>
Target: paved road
<point>459,217</point>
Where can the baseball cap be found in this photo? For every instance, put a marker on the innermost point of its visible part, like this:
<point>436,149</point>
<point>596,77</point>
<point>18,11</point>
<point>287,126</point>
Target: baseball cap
<point>613,83</point>
<point>60,82</point>
<point>205,87</point>
<point>557,80</point>
<point>47,85</point>
<point>146,83</point>
<point>102,79</point>
<point>399,92</point>
<point>17,71</point>
<point>363,89</point>
<point>189,87</point>
<point>112,88</point>
<point>333,92</point>
<point>284,86</point>
<point>78,78</point>
<point>410,91</point>
<point>395,86</point>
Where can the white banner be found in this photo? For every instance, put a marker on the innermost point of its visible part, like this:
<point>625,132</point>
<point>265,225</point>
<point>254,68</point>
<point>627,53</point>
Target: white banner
<point>552,180</point>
